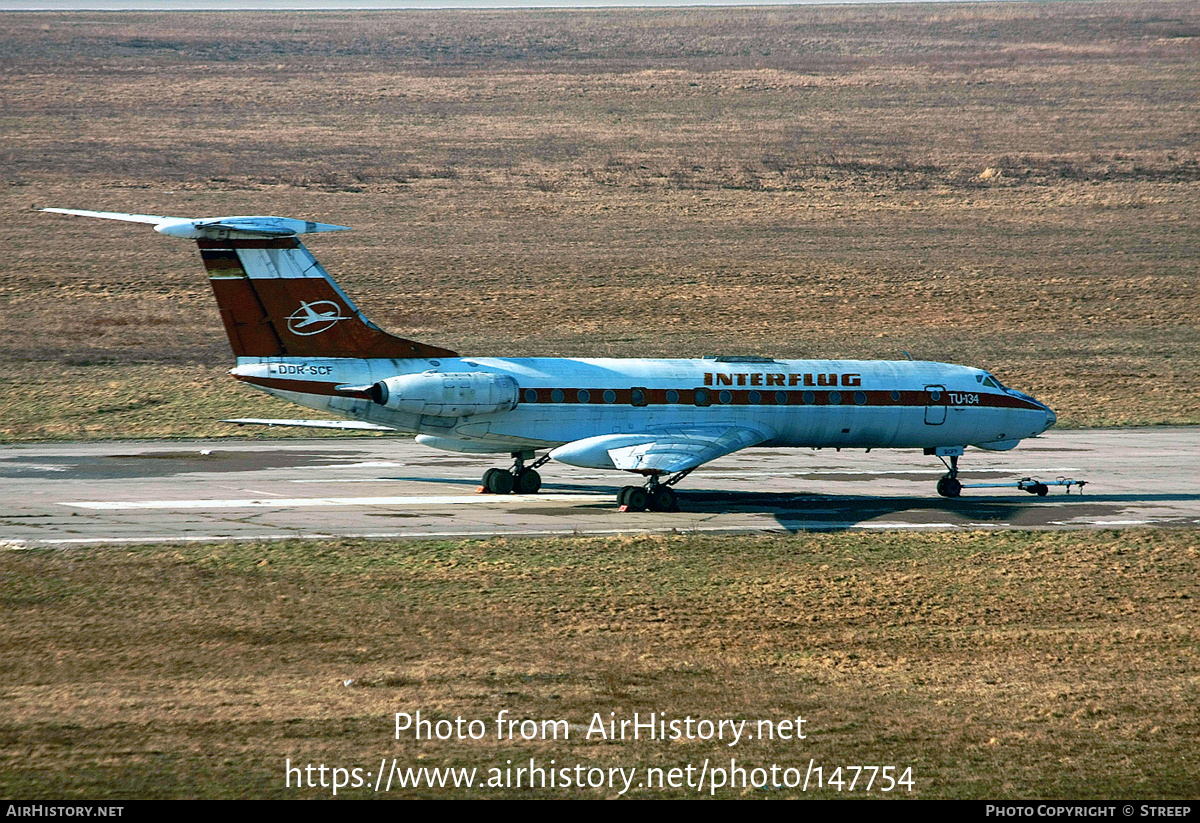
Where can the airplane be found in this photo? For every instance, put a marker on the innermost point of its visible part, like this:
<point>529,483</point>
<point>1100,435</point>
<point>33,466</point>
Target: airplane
<point>296,335</point>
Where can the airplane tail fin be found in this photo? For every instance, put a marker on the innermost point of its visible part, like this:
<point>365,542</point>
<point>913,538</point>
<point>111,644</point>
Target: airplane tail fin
<point>275,299</point>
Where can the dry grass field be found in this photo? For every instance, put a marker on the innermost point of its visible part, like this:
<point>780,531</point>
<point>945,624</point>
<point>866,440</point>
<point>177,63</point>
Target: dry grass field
<point>1011,186</point>
<point>1052,665</point>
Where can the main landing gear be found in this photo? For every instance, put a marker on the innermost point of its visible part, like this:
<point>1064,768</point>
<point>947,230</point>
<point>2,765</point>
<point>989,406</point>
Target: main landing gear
<point>520,479</point>
<point>655,496</point>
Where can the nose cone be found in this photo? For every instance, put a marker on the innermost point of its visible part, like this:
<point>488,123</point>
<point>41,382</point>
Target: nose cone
<point>1050,417</point>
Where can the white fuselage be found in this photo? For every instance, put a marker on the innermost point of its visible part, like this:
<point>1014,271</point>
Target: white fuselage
<point>812,403</point>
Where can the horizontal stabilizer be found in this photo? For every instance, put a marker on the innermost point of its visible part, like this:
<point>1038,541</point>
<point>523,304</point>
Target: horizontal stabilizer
<point>214,228</point>
<point>355,425</point>
<point>114,215</point>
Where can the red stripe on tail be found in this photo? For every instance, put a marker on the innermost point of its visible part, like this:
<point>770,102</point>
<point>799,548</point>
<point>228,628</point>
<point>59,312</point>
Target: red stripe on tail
<point>287,305</point>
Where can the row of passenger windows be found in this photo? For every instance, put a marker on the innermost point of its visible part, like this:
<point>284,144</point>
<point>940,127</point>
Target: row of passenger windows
<point>581,396</point>
<point>703,397</point>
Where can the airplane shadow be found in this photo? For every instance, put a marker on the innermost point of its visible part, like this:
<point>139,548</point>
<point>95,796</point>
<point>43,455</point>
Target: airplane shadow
<point>833,512</point>
<point>800,510</point>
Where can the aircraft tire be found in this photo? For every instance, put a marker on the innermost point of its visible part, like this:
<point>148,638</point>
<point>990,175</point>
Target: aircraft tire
<point>487,480</point>
<point>527,482</point>
<point>498,481</point>
<point>1041,489</point>
<point>663,499</point>
<point>949,487</point>
<point>636,499</point>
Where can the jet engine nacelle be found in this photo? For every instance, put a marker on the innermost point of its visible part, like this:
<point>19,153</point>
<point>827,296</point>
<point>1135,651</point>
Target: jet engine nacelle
<point>447,394</point>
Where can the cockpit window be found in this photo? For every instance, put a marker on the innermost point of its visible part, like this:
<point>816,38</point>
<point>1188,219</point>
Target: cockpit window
<point>989,381</point>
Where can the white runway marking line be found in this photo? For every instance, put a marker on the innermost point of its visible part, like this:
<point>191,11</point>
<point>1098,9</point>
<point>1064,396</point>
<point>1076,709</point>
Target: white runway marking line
<point>366,464</point>
<point>349,480</point>
<point>299,502</point>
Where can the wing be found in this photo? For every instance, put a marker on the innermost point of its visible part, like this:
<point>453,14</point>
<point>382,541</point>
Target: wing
<point>312,424</point>
<point>664,451</point>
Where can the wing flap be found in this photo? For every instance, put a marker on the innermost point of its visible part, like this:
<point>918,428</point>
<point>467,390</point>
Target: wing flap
<point>671,453</point>
<point>659,452</point>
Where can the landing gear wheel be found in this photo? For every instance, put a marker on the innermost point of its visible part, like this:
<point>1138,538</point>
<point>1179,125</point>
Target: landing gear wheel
<point>633,499</point>
<point>527,482</point>
<point>949,487</point>
<point>637,500</point>
<point>498,481</point>
<point>663,499</point>
<point>487,480</point>
<point>1040,489</point>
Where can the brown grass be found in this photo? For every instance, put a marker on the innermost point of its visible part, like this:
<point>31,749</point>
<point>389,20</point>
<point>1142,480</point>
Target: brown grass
<point>1004,666</point>
<point>1011,186</point>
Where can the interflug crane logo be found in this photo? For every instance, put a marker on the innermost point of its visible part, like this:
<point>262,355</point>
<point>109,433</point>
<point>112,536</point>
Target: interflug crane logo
<point>315,317</point>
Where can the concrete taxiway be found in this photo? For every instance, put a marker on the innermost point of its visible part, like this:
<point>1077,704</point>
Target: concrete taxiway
<point>125,492</point>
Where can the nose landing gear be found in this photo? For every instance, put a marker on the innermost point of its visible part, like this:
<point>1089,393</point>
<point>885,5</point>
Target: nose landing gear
<point>948,485</point>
